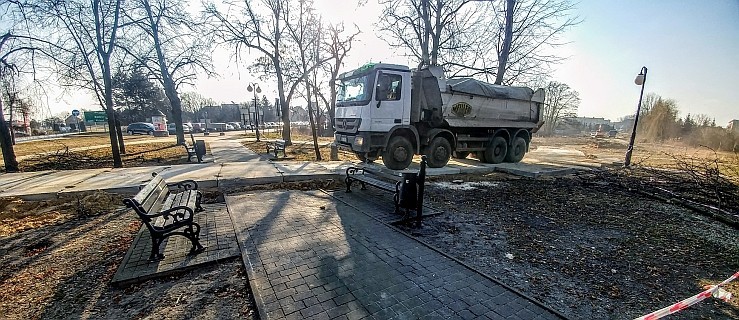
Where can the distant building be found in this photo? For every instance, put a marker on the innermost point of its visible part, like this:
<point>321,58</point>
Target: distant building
<point>588,121</point>
<point>733,125</point>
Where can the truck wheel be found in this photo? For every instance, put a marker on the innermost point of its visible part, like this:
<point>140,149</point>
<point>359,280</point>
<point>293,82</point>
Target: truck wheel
<point>438,152</point>
<point>496,151</point>
<point>398,154</point>
<point>517,150</point>
<point>460,154</point>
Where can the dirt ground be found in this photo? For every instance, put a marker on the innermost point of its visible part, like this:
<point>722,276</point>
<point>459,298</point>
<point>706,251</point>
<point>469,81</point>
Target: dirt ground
<point>59,256</point>
<point>589,250</point>
<point>583,244</point>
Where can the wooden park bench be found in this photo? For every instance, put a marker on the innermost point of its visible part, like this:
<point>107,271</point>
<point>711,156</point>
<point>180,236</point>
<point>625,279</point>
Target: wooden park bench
<point>276,147</point>
<point>196,148</point>
<point>168,213</point>
<point>390,183</point>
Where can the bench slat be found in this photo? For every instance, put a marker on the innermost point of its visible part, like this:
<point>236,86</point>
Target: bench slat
<point>154,201</point>
<point>146,191</point>
<point>375,182</point>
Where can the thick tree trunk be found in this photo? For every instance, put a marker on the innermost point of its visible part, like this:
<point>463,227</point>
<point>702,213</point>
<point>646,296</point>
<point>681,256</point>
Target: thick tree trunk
<point>6,143</point>
<point>119,133</point>
<point>312,122</point>
<point>507,38</point>
<point>108,90</point>
<point>284,107</point>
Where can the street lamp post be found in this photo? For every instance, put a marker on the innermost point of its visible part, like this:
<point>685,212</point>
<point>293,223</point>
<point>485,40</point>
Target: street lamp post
<point>640,80</point>
<point>253,87</point>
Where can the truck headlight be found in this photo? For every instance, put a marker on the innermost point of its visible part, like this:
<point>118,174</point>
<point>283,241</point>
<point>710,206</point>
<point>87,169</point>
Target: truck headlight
<point>358,141</point>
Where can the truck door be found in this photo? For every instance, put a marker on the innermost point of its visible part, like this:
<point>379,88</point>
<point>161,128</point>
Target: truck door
<point>388,106</point>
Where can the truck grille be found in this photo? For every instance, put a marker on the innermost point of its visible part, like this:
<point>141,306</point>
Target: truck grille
<point>347,125</point>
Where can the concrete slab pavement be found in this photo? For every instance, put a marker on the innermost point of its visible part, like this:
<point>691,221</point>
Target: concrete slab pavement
<point>231,164</point>
<point>49,185</point>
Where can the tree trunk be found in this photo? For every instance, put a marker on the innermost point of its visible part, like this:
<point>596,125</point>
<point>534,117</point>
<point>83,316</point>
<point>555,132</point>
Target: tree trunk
<point>284,107</point>
<point>11,164</point>
<point>426,33</point>
<point>108,89</point>
<point>508,37</point>
<point>312,122</point>
<point>119,133</point>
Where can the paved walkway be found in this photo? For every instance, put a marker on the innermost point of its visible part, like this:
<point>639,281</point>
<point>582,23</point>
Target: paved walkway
<point>310,256</point>
<point>230,164</point>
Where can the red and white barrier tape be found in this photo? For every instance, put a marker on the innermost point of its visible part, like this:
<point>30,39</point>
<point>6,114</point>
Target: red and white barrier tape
<point>711,291</point>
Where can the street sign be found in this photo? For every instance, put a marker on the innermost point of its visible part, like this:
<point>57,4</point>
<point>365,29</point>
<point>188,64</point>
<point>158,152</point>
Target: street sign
<point>96,116</point>
<point>76,113</point>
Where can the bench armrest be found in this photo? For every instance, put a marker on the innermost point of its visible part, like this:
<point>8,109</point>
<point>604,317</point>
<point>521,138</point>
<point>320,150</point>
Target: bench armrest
<point>354,170</point>
<point>186,214</point>
<point>185,185</point>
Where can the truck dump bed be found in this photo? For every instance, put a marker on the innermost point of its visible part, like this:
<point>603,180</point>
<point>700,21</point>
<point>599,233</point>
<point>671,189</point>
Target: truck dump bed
<point>475,87</point>
<point>475,104</point>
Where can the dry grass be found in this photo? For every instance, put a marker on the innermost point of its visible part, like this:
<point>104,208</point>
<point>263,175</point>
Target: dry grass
<point>17,215</point>
<point>137,155</point>
<point>84,140</point>
<point>660,155</point>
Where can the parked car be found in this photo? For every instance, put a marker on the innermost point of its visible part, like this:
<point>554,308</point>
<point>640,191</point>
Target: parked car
<point>612,133</point>
<point>141,128</point>
<point>172,129</point>
<point>236,125</point>
<point>229,127</point>
<point>198,127</point>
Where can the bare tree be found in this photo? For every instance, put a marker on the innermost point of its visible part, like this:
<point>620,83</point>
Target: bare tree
<point>6,71</point>
<point>172,47</point>
<point>305,34</point>
<point>85,35</point>
<point>258,26</point>
<point>473,38</point>
<point>338,46</point>
<point>561,101</point>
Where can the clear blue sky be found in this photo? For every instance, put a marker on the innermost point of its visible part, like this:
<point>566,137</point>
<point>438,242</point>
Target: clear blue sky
<point>690,47</point>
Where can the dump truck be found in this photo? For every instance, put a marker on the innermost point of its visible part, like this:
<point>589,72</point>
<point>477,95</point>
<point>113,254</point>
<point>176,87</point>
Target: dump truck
<point>393,112</point>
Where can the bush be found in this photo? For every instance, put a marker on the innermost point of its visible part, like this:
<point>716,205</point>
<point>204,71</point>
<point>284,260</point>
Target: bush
<point>716,138</point>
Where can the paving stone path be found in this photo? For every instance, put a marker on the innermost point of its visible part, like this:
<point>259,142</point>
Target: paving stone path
<point>310,256</point>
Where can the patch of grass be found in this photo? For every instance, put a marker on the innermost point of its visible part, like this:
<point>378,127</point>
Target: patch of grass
<point>137,155</point>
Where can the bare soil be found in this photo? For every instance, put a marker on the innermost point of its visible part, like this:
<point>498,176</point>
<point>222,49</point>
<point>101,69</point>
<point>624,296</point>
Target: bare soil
<point>59,256</point>
<point>588,249</point>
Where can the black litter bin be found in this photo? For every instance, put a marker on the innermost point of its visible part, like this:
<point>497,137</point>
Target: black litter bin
<point>200,149</point>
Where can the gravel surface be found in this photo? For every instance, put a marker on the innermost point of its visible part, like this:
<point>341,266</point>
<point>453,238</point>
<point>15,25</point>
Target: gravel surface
<point>588,249</point>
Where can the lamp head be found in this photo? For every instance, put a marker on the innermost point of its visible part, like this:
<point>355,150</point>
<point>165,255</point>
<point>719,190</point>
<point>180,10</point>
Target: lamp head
<point>249,88</point>
<point>639,79</point>
<point>259,90</point>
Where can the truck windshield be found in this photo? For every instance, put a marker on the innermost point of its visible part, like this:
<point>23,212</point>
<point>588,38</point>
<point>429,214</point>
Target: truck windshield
<point>354,89</point>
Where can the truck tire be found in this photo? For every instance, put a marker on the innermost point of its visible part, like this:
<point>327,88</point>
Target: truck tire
<point>460,154</point>
<point>496,151</point>
<point>398,153</point>
<point>516,151</point>
<point>438,152</point>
